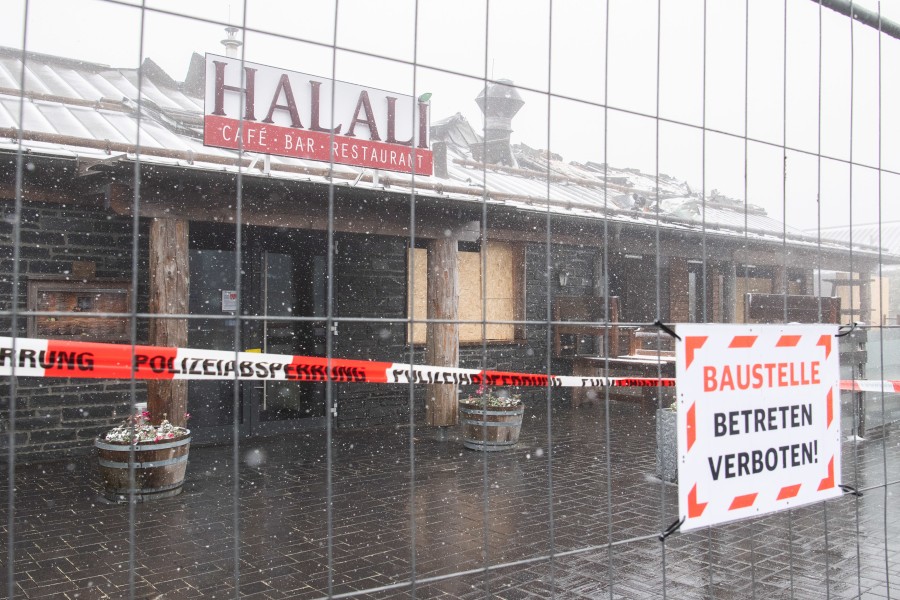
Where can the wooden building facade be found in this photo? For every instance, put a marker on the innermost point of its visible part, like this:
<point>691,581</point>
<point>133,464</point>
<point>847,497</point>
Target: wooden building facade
<point>340,261</point>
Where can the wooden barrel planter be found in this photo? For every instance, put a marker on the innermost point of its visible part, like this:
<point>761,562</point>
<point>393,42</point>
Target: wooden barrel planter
<point>490,428</point>
<point>158,468</point>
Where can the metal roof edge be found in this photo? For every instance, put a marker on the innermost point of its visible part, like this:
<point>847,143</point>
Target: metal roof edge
<point>11,52</point>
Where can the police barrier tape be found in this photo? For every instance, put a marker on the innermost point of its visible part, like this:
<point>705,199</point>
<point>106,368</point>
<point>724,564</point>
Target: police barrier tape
<point>90,360</point>
<point>872,385</point>
<point>56,358</point>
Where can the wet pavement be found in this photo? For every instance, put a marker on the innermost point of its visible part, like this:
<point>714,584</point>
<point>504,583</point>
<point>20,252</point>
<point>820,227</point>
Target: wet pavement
<point>429,519</point>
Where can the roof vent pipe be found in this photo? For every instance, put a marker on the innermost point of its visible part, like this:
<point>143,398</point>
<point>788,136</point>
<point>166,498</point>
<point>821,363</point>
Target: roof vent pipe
<point>232,43</point>
<point>499,102</point>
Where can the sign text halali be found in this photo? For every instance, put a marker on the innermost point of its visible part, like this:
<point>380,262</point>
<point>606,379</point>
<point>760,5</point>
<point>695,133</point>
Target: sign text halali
<point>286,113</point>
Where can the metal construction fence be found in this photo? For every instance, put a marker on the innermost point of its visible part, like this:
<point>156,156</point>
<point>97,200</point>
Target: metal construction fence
<point>387,294</point>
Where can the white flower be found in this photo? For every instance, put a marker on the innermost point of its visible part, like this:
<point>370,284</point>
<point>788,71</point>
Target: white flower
<point>486,397</point>
<point>138,429</point>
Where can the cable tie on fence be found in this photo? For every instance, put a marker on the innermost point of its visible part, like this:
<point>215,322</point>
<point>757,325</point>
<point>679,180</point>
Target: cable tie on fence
<point>849,489</point>
<point>667,329</point>
<point>843,329</point>
<point>671,529</point>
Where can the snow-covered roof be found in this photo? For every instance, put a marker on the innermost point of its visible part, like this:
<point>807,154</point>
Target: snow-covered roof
<point>90,111</point>
<point>886,235</point>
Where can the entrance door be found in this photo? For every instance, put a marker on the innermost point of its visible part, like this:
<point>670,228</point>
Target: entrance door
<point>282,292</point>
<point>213,405</point>
<point>291,295</point>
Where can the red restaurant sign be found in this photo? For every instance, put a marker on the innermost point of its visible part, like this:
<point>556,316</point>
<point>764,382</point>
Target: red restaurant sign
<point>273,111</point>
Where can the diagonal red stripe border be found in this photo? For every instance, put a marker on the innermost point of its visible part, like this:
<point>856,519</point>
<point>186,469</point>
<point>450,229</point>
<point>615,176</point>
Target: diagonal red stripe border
<point>692,343</point>
<point>789,491</point>
<point>743,341</point>
<point>743,501</point>
<point>691,426</point>
<point>788,341</point>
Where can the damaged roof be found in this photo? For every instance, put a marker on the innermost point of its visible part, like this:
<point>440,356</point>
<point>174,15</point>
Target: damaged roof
<point>76,109</point>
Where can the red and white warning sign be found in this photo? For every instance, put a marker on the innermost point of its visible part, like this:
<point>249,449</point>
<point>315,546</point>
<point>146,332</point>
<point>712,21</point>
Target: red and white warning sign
<point>758,420</point>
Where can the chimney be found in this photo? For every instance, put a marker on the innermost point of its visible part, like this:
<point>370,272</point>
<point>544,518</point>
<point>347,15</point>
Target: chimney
<point>232,43</point>
<point>439,150</point>
<point>499,102</point>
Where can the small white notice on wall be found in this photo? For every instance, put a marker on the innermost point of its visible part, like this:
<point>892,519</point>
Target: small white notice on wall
<point>759,426</point>
<point>229,301</point>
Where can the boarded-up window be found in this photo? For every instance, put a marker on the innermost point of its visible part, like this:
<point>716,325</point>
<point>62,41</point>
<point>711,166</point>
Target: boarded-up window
<point>848,289</point>
<point>503,287</point>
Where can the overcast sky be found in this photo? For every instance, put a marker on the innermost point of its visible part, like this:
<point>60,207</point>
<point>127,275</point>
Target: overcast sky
<point>457,44</point>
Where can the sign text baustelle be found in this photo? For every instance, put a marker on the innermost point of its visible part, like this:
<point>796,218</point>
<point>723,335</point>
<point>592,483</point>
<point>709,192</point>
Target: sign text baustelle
<point>759,426</point>
<point>274,111</point>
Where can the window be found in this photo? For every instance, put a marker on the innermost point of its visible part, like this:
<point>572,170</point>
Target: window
<point>503,287</point>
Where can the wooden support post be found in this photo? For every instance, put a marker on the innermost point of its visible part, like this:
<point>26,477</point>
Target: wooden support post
<point>808,285</point>
<point>715,293</point>
<point>599,291</point>
<point>169,285</point>
<point>679,290</point>
<point>865,298</point>
<point>779,280</point>
<point>730,291</point>
<point>442,339</point>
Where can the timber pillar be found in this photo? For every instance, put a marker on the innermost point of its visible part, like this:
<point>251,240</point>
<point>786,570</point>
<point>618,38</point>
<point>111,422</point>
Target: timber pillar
<point>169,285</point>
<point>865,298</point>
<point>729,292</point>
<point>442,339</point>
<point>679,290</point>
<point>779,280</point>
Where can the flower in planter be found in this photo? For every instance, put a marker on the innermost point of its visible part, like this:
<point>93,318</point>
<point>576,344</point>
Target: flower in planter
<point>138,429</point>
<point>491,421</point>
<point>485,396</point>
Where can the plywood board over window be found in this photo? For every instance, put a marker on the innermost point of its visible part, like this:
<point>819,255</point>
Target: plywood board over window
<point>502,266</point>
<point>417,293</point>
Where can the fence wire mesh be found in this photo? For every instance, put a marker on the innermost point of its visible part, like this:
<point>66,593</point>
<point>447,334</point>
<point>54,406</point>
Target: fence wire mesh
<point>596,172</point>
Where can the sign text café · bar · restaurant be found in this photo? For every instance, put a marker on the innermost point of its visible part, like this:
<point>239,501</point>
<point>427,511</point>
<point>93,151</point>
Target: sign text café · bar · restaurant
<point>354,139</point>
<point>479,250</point>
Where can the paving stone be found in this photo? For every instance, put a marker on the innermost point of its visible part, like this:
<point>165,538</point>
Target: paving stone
<point>68,542</point>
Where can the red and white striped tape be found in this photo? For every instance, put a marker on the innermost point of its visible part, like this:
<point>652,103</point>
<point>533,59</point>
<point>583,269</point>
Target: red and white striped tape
<point>871,385</point>
<point>89,360</point>
<point>27,357</point>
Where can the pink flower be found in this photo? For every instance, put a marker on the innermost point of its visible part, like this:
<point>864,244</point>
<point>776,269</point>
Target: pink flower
<point>170,435</point>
